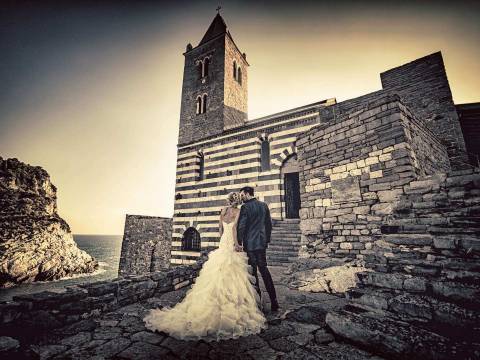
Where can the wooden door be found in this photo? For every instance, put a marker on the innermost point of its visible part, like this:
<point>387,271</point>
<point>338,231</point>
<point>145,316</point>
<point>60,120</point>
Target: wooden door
<point>292,195</point>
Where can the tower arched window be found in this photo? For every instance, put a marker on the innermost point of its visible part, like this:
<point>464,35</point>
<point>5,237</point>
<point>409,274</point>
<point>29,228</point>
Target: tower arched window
<point>200,69</point>
<point>234,69</point>
<point>191,240</point>
<point>201,166</point>
<point>206,64</point>
<point>239,76</point>
<point>198,105</point>
<point>204,103</point>
<point>265,155</point>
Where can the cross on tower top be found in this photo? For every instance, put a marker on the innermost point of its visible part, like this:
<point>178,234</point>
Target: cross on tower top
<point>218,9</point>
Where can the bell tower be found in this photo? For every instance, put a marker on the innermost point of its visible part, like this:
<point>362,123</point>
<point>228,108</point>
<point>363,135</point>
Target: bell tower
<point>214,91</point>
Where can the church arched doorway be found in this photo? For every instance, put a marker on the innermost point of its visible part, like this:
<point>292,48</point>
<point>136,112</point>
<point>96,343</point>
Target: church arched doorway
<point>291,187</point>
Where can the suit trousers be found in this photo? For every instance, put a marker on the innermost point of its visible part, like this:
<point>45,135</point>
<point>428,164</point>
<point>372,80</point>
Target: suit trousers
<point>258,260</point>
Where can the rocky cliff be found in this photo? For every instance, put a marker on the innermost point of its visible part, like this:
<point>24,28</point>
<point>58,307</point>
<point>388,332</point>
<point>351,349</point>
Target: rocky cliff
<point>35,243</point>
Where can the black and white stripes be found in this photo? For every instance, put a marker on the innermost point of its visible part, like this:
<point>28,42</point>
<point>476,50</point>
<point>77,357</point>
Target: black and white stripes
<point>233,160</point>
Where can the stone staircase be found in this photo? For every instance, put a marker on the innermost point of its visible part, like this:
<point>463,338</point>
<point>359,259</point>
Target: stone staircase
<point>285,242</point>
<point>422,298</point>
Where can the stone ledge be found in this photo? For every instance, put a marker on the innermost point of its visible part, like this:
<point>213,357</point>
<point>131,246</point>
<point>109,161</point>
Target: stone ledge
<point>29,315</point>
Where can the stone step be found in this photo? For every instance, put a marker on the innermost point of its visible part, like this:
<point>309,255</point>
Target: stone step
<point>277,263</point>
<point>457,243</point>
<point>290,258</point>
<point>286,235</point>
<point>466,271</point>
<point>287,224</point>
<point>295,246</point>
<point>281,253</point>
<point>286,231</point>
<point>286,239</point>
<point>282,250</point>
<point>282,256</point>
<point>381,334</point>
<point>465,295</point>
<point>275,247</point>
<point>446,319</point>
<point>285,221</point>
<point>289,239</point>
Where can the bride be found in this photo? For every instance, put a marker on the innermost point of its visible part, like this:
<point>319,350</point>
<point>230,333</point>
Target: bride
<point>222,303</point>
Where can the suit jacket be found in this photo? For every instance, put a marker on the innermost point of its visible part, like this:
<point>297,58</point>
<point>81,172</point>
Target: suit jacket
<point>254,225</point>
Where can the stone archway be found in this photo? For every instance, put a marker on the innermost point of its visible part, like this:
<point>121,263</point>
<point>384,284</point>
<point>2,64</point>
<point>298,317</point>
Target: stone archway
<point>289,172</point>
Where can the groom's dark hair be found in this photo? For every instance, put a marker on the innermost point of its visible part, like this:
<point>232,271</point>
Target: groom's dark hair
<point>248,190</point>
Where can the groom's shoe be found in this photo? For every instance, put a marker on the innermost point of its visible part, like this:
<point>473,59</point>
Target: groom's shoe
<point>274,307</point>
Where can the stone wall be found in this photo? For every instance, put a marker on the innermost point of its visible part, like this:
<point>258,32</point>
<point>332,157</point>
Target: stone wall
<point>354,170</point>
<point>469,116</point>
<point>30,316</point>
<point>227,97</point>
<point>198,126</point>
<point>236,91</point>
<point>423,295</point>
<point>423,86</point>
<point>146,244</point>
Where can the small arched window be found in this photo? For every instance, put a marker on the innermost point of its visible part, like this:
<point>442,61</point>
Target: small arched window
<point>265,155</point>
<point>204,103</point>
<point>239,76</point>
<point>191,240</point>
<point>200,69</point>
<point>206,64</point>
<point>199,105</point>
<point>234,69</point>
<point>201,166</point>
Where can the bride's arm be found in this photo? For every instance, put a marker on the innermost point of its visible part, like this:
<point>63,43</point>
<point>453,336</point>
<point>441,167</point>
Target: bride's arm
<point>220,225</point>
<point>235,224</point>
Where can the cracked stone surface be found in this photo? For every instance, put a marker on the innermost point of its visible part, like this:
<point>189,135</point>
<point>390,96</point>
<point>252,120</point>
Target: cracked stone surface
<point>297,331</point>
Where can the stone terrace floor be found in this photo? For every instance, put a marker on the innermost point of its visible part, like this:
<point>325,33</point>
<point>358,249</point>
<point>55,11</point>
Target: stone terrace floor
<point>297,331</point>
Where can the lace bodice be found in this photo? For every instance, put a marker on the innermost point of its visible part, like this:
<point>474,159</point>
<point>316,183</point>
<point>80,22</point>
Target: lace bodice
<point>227,241</point>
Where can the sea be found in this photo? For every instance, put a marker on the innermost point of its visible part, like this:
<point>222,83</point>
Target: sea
<point>104,248</point>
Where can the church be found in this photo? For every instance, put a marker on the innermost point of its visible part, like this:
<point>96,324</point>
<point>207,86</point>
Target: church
<point>331,172</point>
<point>220,150</point>
<point>388,181</point>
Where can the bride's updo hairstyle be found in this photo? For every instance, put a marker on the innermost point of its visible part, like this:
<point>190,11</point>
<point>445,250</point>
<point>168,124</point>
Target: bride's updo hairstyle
<point>234,199</point>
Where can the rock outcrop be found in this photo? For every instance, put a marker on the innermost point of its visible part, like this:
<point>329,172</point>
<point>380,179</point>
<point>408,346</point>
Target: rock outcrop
<point>35,242</point>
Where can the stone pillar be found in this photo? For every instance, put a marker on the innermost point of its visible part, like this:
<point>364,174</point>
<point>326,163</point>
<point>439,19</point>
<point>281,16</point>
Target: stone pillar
<point>146,245</point>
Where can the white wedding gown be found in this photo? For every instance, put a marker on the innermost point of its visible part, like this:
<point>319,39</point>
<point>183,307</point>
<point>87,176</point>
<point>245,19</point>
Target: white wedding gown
<point>222,303</point>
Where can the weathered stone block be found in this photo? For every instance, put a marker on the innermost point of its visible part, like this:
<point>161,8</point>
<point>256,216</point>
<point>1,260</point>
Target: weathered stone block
<point>346,190</point>
<point>409,239</point>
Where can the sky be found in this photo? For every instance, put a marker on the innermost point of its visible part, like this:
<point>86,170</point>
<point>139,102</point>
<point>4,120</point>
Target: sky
<point>90,90</point>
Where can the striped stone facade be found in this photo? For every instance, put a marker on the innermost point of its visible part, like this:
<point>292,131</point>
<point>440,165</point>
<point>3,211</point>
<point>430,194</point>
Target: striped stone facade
<point>231,161</point>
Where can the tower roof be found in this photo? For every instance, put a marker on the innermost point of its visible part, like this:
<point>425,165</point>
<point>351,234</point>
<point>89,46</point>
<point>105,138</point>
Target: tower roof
<point>216,28</point>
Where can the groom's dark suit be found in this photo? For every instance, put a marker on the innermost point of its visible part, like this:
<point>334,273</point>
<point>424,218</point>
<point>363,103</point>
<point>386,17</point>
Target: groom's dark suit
<point>254,232</point>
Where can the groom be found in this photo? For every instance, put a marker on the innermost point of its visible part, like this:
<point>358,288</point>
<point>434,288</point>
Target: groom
<point>254,231</point>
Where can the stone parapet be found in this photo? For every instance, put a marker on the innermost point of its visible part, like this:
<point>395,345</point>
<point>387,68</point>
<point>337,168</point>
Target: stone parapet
<point>29,316</point>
